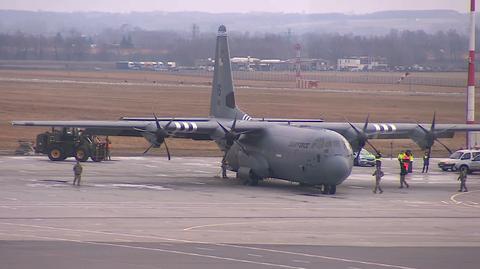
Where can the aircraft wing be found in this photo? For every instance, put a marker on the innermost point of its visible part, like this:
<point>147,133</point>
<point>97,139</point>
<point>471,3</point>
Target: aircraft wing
<point>197,130</point>
<point>422,134</point>
<point>279,120</point>
<point>395,130</point>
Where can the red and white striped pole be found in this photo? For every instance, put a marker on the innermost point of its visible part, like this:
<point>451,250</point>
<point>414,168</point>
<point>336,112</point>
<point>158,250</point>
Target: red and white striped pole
<point>298,76</point>
<point>470,117</point>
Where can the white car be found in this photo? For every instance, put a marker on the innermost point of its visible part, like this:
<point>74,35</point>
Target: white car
<point>457,159</point>
<point>470,165</point>
<point>366,158</point>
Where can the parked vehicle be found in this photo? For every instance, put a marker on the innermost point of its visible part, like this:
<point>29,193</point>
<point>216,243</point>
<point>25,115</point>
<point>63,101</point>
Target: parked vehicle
<point>470,165</point>
<point>457,159</point>
<point>69,142</point>
<point>366,158</point>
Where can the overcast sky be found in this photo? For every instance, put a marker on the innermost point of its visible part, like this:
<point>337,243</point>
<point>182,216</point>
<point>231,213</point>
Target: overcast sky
<point>216,6</point>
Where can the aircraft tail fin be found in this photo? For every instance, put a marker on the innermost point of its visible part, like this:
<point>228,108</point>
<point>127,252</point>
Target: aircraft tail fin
<point>222,103</point>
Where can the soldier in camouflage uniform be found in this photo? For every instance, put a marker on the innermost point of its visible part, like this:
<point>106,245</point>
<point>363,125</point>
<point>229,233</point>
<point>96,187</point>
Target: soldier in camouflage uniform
<point>77,171</point>
<point>463,180</point>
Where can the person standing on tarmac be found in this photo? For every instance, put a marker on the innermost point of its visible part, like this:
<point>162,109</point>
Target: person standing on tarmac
<point>426,162</point>
<point>400,157</point>
<point>108,148</point>
<point>77,172</point>
<point>410,161</point>
<point>224,168</point>
<point>403,173</point>
<point>463,180</point>
<point>378,174</point>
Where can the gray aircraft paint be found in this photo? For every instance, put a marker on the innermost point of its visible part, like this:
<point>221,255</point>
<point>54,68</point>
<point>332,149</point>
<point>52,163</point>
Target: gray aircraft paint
<point>222,101</point>
<point>295,154</point>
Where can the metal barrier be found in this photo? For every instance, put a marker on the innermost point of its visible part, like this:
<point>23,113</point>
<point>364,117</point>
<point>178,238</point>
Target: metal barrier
<point>338,77</point>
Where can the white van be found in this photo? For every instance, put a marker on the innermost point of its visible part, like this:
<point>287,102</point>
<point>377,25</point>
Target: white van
<point>458,158</point>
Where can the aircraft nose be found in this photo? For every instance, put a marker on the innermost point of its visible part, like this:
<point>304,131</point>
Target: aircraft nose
<point>339,168</point>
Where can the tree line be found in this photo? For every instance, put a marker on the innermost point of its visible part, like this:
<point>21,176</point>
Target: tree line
<point>446,49</point>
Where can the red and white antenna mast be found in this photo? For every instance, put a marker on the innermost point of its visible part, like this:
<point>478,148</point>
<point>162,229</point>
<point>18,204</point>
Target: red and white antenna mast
<point>470,117</point>
<point>298,76</point>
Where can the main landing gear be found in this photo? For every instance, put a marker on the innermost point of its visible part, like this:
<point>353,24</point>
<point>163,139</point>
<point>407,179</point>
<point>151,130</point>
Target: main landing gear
<point>329,189</point>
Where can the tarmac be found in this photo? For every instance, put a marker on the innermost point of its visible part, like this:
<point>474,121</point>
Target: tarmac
<point>148,212</point>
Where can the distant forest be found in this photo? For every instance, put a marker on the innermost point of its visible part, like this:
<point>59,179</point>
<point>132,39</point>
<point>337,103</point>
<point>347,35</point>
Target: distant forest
<point>441,49</point>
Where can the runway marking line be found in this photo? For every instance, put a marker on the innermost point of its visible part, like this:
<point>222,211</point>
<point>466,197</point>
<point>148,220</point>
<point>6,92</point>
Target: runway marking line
<point>300,261</point>
<point>239,223</point>
<point>453,198</point>
<point>159,250</point>
<point>208,249</point>
<point>215,244</point>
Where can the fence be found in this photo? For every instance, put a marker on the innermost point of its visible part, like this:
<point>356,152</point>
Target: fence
<point>345,77</point>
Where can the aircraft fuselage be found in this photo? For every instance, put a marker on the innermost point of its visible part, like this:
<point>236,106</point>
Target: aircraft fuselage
<point>295,154</point>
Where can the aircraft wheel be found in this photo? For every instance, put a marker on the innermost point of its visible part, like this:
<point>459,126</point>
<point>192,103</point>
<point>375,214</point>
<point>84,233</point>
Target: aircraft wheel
<point>81,154</point>
<point>97,159</point>
<point>253,181</point>
<point>333,189</point>
<point>56,154</point>
<point>325,189</point>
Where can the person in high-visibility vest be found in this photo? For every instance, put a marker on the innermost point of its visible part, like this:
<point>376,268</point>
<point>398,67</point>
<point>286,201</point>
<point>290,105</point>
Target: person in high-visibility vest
<point>400,158</point>
<point>403,172</point>
<point>406,160</point>
<point>410,162</point>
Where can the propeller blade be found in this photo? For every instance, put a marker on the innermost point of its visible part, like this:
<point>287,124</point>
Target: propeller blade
<point>234,123</point>
<point>145,152</point>
<point>445,146</point>
<point>241,146</point>
<point>168,151</point>
<point>429,152</point>
<point>366,124</point>
<point>423,128</point>
<point>224,156</point>
<point>354,128</point>
<point>374,148</point>
<point>432,128</point>
<point>225,130</point>
<point>156,121</point>
<point>168,124</point>
<point>358,153</point>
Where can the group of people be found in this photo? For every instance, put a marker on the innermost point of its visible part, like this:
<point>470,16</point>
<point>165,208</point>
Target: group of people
<point>405,160</point>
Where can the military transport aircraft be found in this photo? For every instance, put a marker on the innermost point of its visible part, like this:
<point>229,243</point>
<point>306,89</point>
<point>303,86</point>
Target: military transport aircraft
<point>308,151</point>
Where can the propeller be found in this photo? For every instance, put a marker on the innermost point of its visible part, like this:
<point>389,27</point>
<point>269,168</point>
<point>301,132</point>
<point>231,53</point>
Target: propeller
<point>156,137</point>
<point>232,136</point>
<point>431,138</point>
<point>362,137</point>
